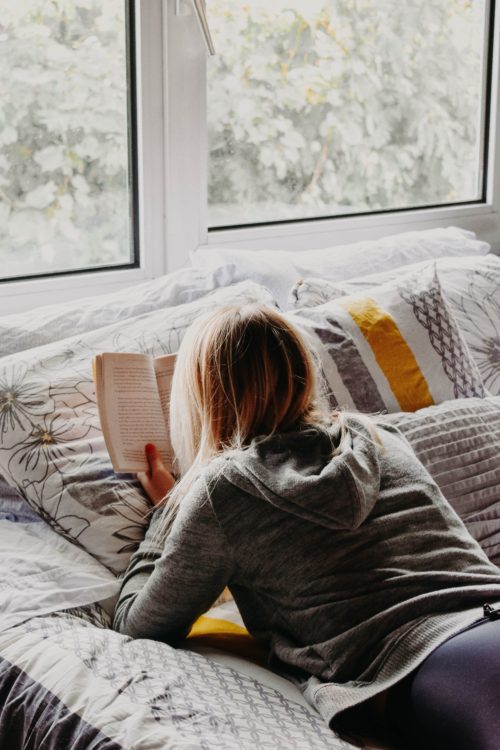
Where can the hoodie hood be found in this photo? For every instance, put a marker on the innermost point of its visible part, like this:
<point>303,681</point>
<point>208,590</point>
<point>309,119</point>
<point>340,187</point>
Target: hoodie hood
<point>313,473</point>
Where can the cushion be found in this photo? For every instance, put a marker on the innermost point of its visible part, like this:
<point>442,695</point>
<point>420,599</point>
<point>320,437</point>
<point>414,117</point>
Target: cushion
<point>222,627</point>
<point>459,444</point>
<point>54,322</point>
<point>45,324</point>
<point>279,269</point>
<point>395,347</point>
<point>51,445</point>
<point>472,289</point>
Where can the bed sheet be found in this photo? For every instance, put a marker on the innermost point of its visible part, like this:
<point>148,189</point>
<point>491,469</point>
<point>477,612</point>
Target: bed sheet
<point>40,573</point>
<point>13,507</point>
<point>68,680</point>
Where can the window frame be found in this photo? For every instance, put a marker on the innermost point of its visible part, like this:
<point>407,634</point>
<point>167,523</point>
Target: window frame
<point>481,216</point>
<point>148,184</point>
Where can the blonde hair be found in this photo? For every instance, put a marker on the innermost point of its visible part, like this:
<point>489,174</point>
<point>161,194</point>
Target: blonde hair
<point>241,372</point>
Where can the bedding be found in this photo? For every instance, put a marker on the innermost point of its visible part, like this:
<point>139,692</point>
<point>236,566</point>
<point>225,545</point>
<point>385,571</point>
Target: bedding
<point>280,269</point>
<point>68,680</point>
<point>471,286</point>
<point>459,444</point>
<point>49,323</point>
<point>51,444</point>
<point>40,572</point>
<point>394,347</point>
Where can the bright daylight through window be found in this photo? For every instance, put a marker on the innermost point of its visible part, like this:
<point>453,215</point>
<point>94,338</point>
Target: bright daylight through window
<point>65,201</point>
<point>331,107</point>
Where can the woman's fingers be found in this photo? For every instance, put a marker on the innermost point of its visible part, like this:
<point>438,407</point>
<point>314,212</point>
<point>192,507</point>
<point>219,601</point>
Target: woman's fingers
<point>157,482</point>
<point>153,457</point>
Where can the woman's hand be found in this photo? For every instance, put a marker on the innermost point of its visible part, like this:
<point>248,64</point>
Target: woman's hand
<point>157,481</point>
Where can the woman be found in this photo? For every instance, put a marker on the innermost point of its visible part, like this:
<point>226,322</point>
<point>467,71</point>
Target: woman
<point>339,549</point>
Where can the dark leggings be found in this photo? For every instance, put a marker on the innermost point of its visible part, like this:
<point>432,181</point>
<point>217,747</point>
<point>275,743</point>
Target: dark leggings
<point>452,700</point>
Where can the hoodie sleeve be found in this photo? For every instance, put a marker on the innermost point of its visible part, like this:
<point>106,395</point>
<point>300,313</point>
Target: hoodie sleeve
<point>167,587</point>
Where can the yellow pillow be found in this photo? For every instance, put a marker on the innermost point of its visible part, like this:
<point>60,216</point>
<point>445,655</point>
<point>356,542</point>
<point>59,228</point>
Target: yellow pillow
<point>222,627</point>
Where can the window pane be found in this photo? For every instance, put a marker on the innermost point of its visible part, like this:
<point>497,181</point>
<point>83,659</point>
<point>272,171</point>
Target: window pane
<point>324,108</point>
<point>64,164</point>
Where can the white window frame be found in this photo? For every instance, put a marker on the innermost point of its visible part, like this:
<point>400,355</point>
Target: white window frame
<point>19,295</point>
<point>483,219</point>
<point>172,146</point>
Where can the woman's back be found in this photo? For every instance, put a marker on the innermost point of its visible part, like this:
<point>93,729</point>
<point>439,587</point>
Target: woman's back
<point>352,567</point>
<point>333,556</point>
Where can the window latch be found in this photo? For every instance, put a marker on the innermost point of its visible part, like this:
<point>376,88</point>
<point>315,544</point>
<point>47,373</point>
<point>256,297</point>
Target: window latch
<point>201,15</point>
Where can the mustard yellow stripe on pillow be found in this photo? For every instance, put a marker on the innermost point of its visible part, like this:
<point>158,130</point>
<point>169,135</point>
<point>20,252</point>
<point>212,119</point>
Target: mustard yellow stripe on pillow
<point>210,625</point>
<point>393,355</point>
<point>227,636</point>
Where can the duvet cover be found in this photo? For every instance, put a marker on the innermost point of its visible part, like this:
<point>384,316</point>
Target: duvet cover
<point>69,682</point>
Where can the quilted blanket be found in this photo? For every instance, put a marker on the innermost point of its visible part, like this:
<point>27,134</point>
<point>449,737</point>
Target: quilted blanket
<point>68,681</point>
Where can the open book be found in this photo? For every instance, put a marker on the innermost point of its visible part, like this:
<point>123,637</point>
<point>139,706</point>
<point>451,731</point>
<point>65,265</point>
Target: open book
<point>133,395</point>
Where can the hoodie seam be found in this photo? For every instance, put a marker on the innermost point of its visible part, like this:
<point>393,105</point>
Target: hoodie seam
<point>228,546</point>
<point>354,493</point>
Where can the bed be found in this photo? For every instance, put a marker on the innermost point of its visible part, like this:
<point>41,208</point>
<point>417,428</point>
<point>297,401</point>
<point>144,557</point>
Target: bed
<point>68,524</point>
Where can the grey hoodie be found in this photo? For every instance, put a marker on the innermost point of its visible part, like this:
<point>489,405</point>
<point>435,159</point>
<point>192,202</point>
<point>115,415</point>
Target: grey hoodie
<point>351,568</point>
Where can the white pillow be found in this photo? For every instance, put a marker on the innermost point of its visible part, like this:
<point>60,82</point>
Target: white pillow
<point>280,269</point>
<point>43,325</point>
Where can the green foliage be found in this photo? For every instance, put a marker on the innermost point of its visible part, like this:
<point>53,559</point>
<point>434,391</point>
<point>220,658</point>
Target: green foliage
<point>348,105</point>
<point>316,107</point>
<point>63,135</point>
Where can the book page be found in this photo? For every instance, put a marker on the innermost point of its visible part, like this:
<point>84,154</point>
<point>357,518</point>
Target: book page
<point>130,409</point>
<point>164,369</point>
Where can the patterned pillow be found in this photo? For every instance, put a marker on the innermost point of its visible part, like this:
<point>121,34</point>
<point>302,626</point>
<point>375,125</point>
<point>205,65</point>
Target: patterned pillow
<point>43,325</point>
<point>222,627</point>
<point>51,445</point>
<point>395,347</point>
<point>471,287</point>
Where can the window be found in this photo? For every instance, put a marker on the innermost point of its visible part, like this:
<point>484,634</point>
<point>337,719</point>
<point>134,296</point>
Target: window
<point>327,108</point>
<point>84,188</point>
<point>67,136</point>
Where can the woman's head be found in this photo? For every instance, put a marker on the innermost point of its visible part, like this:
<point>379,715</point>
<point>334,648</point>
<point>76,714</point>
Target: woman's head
<point>241,372</point>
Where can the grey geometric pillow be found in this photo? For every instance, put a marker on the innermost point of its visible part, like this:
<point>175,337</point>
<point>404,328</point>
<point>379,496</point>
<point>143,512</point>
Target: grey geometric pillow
<point>471,286</point>
<point>51,445</point>
<point>393,347</point>
<point>459,444</point>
